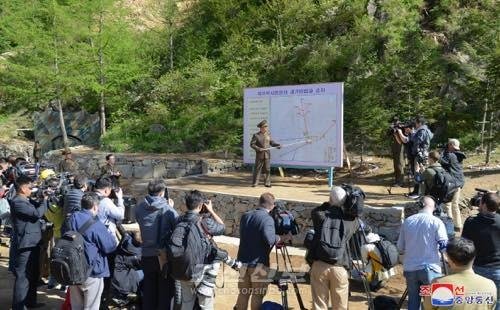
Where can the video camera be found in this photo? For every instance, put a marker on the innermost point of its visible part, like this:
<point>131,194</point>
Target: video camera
<point>354,202</point>
<point>284,221</point>
<point>400,125</point>
<point>476,200</point>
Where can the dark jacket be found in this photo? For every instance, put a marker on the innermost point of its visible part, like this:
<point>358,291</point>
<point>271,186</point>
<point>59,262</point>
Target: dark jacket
<point>420,140</point>
<point>346,226</point>
<point>156,221</point>
<point>25,216</point>
<point>73,201</point>
<point>98,243</point>
<point>211,226</point>
<point>257,237</point>
<point>452,162</point>
<point>127,261</point>
<point>261,141</point>
<point>484,231</point>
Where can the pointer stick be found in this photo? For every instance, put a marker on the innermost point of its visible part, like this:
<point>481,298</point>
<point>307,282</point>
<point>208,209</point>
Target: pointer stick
<point>289,144</point>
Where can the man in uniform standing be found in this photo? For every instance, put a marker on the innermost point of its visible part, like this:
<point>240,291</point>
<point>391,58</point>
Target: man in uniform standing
<point>109,170</point>
<point>67,164</point>
<point>37,152</point>
<point>397,150</point>
<point>261,142</point>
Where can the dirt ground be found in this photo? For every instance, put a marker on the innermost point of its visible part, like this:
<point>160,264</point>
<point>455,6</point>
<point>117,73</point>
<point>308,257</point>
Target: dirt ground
<point>226,293</point>
<point>296,185</point>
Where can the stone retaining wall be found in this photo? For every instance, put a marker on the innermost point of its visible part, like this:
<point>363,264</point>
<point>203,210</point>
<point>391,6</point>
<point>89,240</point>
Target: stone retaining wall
<point>140,166</point>
<point>384,221</point>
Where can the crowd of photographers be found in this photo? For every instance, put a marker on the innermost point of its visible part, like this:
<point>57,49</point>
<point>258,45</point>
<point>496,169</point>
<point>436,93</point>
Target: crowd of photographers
<point>173,261</point>
<point>436,173</point>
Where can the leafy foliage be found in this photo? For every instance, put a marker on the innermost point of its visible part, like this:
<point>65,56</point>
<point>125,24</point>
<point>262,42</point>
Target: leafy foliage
<point>187,72</point>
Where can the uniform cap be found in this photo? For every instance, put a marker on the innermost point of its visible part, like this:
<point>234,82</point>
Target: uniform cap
<point>262,124</point>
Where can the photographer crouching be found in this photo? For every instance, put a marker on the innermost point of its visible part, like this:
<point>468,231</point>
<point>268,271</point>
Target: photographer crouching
<point>328,252</point>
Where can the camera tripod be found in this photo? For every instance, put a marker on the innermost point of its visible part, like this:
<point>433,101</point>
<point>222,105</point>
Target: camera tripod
<point>283,283</point>
<point>355,245</point>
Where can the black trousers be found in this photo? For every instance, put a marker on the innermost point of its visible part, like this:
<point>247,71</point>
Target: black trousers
<point>158,292</point>
<point>26,270</point>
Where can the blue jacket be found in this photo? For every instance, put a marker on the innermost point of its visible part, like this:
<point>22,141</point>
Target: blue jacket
<point>257,237</point>
<point>421,140</point>
<point>156,220</point>
<point>98,243</point>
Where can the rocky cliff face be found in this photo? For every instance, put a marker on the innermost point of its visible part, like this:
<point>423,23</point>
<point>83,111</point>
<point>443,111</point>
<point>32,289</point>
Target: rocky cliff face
<point>18,148</point>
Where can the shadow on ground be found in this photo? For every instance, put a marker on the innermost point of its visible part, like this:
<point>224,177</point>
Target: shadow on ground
<point>51,298</point>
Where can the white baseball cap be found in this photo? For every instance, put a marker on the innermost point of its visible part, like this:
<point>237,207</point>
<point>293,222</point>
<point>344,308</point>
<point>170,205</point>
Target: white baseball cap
<point>455,143</point>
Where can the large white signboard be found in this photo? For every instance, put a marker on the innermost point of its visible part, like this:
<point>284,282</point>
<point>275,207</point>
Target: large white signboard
<point>307,120</point>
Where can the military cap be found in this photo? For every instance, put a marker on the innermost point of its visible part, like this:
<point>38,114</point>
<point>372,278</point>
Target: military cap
<point>262,124</point>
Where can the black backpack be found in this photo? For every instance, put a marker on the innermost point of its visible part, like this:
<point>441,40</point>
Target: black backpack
<point>443,187</point>
<point>354,202</point>
<point>332,244</point>
<point>68,263</point>
<point>187,249</point>
<point>388,253</point>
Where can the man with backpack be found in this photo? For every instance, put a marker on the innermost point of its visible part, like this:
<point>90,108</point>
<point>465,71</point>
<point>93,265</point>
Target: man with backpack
<point>421,237</point>
<point>452,162</point>
<point>329,252</point>
<point>156,217</point>
<point>438,183</point>
<point>98,243</point>
<point>190,250</point>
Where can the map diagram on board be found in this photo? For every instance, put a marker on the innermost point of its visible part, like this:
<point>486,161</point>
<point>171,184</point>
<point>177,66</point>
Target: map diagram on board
<point>304,138</point>
<point>307,125</point>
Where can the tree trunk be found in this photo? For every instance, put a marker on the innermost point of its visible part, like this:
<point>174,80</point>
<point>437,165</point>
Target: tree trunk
<point>58,87</point>
<point>63,126</point>
<point>171,45</point>
<point>102,102</point>
<point>490,139</point>
<point>483,124</point>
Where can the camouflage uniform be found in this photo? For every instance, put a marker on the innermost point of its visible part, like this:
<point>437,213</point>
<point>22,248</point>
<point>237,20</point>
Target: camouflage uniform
<point>68,165</point>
